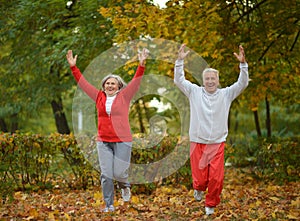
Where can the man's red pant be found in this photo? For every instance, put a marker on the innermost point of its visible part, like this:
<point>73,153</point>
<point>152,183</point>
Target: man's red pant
<point>207,164</point>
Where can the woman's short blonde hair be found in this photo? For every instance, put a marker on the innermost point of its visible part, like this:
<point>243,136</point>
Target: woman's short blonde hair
<point>121,83</point>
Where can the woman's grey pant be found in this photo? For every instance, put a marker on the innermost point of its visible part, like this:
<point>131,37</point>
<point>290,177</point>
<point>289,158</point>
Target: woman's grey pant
<point>114,159</point>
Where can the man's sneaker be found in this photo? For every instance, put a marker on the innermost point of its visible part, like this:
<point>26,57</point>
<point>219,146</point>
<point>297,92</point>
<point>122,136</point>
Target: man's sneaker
<point>111,208</point>
<point>209,210</point>
<point>198,195</point>
<point>126,194</point>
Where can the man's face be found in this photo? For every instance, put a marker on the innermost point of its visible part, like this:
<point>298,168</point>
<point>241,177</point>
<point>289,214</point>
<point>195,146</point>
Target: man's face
<point>111,86</point>
<point>210,81</point>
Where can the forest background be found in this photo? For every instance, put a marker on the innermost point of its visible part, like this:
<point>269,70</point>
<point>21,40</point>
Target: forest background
<point>37,88</point>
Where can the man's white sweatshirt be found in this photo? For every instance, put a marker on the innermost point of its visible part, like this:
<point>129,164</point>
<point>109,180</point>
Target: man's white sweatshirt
<point>209,112</point>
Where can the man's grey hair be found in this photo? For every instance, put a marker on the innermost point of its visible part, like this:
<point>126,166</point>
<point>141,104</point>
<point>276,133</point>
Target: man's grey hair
<point>210,70</point>
<point>121,83</point>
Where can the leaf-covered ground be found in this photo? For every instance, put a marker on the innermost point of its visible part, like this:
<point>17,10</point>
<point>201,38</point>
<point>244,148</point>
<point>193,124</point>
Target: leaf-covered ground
<point>243,198</point>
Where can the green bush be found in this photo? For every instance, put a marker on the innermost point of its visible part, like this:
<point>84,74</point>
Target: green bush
<point>168,155</point>
<point>33,162</point>
<point>70,159</point>
<point>276,158</point>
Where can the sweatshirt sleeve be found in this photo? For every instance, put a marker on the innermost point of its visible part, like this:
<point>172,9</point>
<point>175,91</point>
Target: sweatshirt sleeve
<point>89,89</point>
<point>134,85</point>
<point>179,79</point>
<point>237,88</point>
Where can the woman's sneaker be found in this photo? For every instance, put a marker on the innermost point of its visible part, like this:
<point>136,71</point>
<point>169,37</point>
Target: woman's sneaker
<point>209,210</point>
<point>126,194</point>
<point>198,195</point>
<point>111,208</point>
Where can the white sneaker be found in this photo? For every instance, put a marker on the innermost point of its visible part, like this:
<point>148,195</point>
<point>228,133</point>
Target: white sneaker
<point>126,194</point>
<point>209,210</point>
<point>111,208</point>
<point>198,195</point>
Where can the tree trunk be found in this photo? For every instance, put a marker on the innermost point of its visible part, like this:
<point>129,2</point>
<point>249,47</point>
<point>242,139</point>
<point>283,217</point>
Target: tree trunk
<point>140,117</point>
<point>60,117</point>
<point>146,111</point>
<point>268,118</point>
<point>236,122</point>
<point>14,123</point>
<point>236,125</point>
<point>257,123</point>
<point>3,126</point>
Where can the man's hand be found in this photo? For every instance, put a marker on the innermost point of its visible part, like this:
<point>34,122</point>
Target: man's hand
<point>181,53</point>
<point>241,56</point>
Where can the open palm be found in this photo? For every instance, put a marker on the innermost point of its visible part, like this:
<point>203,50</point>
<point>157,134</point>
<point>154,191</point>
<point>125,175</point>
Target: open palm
<point>241,56</point>
<point>71,60</point>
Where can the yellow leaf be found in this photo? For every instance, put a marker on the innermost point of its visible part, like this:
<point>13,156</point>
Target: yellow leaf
<point>18,195</point>
<point>98,195</point>
<point>67,216</point>
<point>271,188</point>
<point>135,199</point>
<point>36,145</point>
<point>274,198</point>
<point>174,199</point>
<point>156,199</point>
<point>117,203</point>
<point>51,216</point>
<point>131,72</point>
<point>166,190</point>
<point>132,210</point>
<point>252,205</point>
<point>191,193</point>
<point>254,109</point>
<point>97,203</point>
<point>42,160</point>
<point>292,217</point>
<point>296,203</point>
<point>187,210</point>
<point>33,212</point>
<point>258,203</point>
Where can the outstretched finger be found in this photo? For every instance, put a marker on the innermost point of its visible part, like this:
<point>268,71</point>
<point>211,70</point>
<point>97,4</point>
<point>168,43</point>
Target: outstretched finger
<point>242,52</point>
<point>69,53</point>
<point>145,52</point>
<point>182,47</point>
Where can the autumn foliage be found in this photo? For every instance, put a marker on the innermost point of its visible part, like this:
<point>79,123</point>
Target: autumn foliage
<point>47,177</point>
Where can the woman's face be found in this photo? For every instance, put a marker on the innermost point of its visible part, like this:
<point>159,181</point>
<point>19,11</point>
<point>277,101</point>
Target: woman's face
<point>111,86</point>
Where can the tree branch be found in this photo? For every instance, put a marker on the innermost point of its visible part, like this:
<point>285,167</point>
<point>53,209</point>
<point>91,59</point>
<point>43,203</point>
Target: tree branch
<point>246,13</point>
<point>296,39</point>
<point>266,50</point>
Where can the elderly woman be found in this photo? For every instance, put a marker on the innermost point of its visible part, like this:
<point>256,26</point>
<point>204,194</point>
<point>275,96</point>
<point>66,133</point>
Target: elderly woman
<point>114,140</point>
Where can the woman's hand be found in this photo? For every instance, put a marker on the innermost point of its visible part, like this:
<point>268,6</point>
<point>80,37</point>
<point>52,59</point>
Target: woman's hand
<point>143,56</point>
<point>71,60</point>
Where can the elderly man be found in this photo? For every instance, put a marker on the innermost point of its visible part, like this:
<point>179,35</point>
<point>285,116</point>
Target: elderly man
<point>209,106</point>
